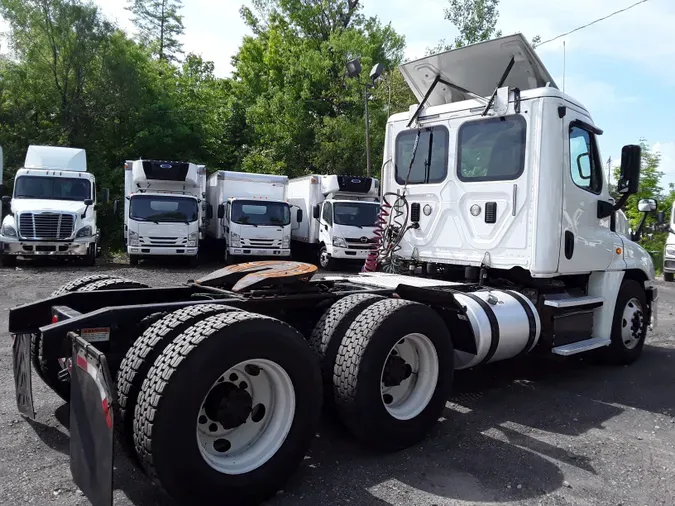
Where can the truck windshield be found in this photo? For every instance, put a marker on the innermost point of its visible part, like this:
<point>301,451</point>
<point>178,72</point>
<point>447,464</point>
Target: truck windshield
<point>163,209</point>
<point>356,214</point>
<point>260,213</point>
<point>52,188</point>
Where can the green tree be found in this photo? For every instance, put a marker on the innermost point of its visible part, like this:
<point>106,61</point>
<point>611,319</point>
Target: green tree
<point>299,108</point>
<point>476,21</point>
<point>160,26</point>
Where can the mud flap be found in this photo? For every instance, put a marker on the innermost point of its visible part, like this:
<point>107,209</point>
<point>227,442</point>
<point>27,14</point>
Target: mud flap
<point>22,375</point>
<point>91,423</point>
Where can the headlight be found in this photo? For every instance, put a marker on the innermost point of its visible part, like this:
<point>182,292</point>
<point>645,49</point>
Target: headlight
<point>670,251</point>
<point>133,238</point>
<point>192,239</point>
<point>339,242</point>
<point>8,231</point>
<point>286,242</point>
<point>84,232</point>
<point>235,240</point>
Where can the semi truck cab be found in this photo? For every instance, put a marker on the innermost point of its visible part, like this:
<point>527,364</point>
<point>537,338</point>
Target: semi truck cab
<point>52,211</point>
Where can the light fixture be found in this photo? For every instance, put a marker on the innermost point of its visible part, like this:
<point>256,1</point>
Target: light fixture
<point>354,67</point>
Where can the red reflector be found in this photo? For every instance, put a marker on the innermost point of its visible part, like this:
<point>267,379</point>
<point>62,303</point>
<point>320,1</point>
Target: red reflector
<point>55,319</point>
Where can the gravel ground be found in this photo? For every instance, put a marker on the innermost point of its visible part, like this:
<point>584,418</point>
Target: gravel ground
<point>560,432</point>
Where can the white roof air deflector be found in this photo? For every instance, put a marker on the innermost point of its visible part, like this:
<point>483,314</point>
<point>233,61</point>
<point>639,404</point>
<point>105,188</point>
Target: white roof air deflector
<point>477,69</point>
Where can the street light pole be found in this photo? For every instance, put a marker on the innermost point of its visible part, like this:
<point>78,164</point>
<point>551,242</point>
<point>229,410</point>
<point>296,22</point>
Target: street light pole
<point>368,162</point>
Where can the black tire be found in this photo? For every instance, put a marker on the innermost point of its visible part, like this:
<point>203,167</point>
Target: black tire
<point>325,260</point>
<point>668,277</point>
<point>89,260</point>
<point>329,331</point>
<point>112,284</point>
<point>358,372</point>
<point>133,259</point>
<point>617,352</point>
<point>7,261</point>
<point>49,369</point>
<point>172,393</point>
<point>76,284</point>
<point>142,354</point>
<point>193,261</point>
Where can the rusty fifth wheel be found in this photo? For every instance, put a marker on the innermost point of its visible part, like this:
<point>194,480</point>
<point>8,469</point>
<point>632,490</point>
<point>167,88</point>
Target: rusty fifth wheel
<point>251,275</point>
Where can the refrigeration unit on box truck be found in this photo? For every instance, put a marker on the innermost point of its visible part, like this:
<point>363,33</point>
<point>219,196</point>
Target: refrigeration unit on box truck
<point>164,209</point>
<point>52,211</point>
<point>253,217</point>
<point>341,216</point>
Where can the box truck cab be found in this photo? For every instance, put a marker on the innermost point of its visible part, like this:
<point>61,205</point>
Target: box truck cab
<point>669,250</point>
<point>52,211</point>
<point>342,213</point>
<point>164,209</point>
<point>253,217</point>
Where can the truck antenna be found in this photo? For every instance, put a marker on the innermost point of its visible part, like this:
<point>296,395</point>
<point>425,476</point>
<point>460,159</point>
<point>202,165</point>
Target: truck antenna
<point>564,64</point>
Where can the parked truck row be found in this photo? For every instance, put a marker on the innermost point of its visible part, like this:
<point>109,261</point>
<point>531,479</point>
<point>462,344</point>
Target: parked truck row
<point>173,208</point>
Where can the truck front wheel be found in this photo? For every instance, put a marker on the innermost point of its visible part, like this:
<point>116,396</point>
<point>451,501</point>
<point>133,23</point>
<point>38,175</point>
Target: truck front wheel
<point>393,373</point>
<point>629,327</point>
<point>7,261</point>
<point>668,276</point>
<point>228,410</point>
<point>325,260</point>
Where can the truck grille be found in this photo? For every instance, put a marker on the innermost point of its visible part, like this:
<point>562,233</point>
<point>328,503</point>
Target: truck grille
<point>260,243</point>
<point>361,243</point>
<point>46,225</point>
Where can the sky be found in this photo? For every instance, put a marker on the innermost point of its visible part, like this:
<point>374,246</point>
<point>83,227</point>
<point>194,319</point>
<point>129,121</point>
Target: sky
<point>622,69</point>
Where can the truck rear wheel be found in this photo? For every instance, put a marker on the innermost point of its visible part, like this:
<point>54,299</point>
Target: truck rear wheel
<point>228,410</point>
<point>329,332</point>
<point>393,373</point>
<point>142,354</point>
<point>629,327</point>
<point>51,371</point>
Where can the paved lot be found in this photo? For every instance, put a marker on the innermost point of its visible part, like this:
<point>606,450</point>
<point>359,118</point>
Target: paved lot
<point>552,433</point>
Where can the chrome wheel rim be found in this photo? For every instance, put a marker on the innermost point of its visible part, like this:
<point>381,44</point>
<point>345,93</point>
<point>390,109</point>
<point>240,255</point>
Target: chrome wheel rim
<point>632,324</point>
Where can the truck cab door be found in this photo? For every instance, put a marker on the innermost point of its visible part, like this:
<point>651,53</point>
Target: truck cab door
<point>587,242</point>
<point>326,224</point>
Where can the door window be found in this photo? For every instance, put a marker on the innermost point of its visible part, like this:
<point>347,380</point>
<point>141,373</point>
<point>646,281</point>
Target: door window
<point>430,164</point>
<point>585,166</point>
<point>328,213</point>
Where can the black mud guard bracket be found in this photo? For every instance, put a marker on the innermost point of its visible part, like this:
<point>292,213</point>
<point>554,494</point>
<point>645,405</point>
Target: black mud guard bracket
<point>21,364</point>
<point>92,397</point>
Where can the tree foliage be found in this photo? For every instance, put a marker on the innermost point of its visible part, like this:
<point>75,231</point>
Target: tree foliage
<point>160,25</point>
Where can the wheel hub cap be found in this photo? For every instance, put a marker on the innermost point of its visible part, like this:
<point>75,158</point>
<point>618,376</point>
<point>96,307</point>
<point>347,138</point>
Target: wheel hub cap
<point>229,405</point>
<point>396,371</point>
<point>632,324</point>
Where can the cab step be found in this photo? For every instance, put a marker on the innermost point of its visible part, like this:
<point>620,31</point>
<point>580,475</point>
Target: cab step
<point>566,301</point>
<point>581,346</point>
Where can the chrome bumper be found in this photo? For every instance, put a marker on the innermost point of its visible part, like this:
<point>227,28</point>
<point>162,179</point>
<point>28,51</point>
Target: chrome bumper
<point>44,248</point>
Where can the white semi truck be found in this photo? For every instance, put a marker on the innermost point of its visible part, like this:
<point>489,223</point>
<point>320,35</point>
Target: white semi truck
<point>669,250</point>
<point>341,216</point>
<point>52,211</point>
<point>253,217</point>
<point>221,396</point>
<point>165,208</point>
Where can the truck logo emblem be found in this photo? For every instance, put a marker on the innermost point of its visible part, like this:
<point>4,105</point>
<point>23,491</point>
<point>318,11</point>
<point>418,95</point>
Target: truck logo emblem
<point>364,240</point>
<point>165,166</point>
<point>356,181</point>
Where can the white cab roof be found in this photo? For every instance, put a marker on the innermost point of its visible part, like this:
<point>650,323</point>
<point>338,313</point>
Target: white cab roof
<point>56,158</point>
<point>477,68</point>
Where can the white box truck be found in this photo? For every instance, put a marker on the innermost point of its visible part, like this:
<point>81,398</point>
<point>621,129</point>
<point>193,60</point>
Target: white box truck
<point>669,250</point>
<point>253,217</point>
<point>165,208</point>
<point>52,211</point>
<point>341,216</point>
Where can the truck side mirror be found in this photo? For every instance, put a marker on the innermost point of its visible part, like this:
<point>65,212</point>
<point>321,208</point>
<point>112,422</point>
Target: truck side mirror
<point>116,206</point>
<point>6,200</point>
<point>647,205</point>
<point>661,217</point>
<point>316,212</point>
<point>298,217</point>
<point>221,211</point>
<point>105,195</point>
<point>629,179</point>
<point>209,211</point>
<point>87,203</point>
